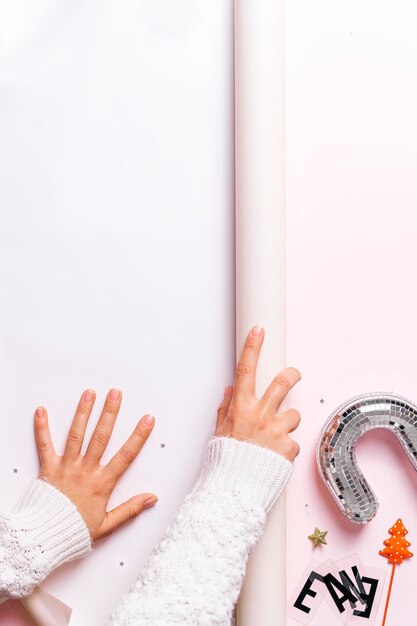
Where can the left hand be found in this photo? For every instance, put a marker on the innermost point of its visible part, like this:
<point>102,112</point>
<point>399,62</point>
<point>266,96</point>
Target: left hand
<point>81,478</point>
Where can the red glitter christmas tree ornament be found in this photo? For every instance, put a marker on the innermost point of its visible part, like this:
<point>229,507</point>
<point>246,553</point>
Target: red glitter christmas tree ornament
<point>396,550</point>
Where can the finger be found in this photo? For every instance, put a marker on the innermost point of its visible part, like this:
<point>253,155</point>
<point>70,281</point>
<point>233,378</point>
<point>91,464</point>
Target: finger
<point>76,432</point>
<point>129,451</point>
<point>291,419</point>
<point>279,387</point>
<point>224,406</point>
<point>46,450</point>
<point>245,375</point>
<point>293,449</point>
<point>124,513</point>
<point>104,428</point>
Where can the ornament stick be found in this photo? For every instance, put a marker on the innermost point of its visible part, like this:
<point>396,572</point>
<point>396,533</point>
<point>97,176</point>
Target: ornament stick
<point>389,594</point>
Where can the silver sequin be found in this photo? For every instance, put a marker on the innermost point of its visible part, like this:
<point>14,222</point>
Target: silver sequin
<point>336,456</point>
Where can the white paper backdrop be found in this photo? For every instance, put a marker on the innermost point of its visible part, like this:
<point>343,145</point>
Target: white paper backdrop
<point>116,246</point>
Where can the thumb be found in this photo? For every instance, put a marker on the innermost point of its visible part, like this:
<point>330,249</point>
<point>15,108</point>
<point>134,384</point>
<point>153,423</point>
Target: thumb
<point>124,513</point>
<point>224,406</point>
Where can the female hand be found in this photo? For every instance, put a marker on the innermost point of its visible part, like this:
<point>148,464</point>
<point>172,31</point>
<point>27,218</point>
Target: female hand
<point>81,478</point>
<point>243,416</point>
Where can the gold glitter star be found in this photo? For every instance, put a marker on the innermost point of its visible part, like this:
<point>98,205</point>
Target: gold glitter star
<point>318,537</point>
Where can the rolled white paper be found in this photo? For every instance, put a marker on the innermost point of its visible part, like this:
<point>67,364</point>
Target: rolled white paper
<point>261,256</point>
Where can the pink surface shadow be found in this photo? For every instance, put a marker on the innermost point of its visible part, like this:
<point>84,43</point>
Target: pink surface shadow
<point>13,613</point>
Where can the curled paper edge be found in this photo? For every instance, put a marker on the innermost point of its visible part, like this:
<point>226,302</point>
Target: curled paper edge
<point>261,258</point>
<point>45,609</point>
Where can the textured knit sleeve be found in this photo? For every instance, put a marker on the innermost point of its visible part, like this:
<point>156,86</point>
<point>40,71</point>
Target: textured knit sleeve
<point>43,531</point>
<point>194,575</point>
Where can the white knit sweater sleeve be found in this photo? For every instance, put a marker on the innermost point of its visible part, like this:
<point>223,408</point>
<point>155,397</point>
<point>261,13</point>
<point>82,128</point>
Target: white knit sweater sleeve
<point>44,530</point>
<point>194,575</point>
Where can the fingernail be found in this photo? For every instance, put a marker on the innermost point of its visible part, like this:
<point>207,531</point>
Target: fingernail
<point>88,395</point>
<point>225,391</point>
<point>148,420</point>
<point>39,412</point>
<point>114,394</point>
<point>150,501</point>
<point>257,330</point>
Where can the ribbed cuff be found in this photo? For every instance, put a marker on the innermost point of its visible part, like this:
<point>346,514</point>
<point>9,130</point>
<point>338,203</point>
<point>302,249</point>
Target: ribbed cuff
<point>53,522</point>
<point>256,473</point>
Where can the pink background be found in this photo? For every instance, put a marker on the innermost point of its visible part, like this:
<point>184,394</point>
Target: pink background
<point>12,613</point>
<point>352,225</point>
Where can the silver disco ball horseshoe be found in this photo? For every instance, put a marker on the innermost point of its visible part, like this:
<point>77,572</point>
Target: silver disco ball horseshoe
<point>336,457</point>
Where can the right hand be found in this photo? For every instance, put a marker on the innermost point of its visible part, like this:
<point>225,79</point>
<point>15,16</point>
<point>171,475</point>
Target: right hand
<point>243,416</point>
<point>81,477</point>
